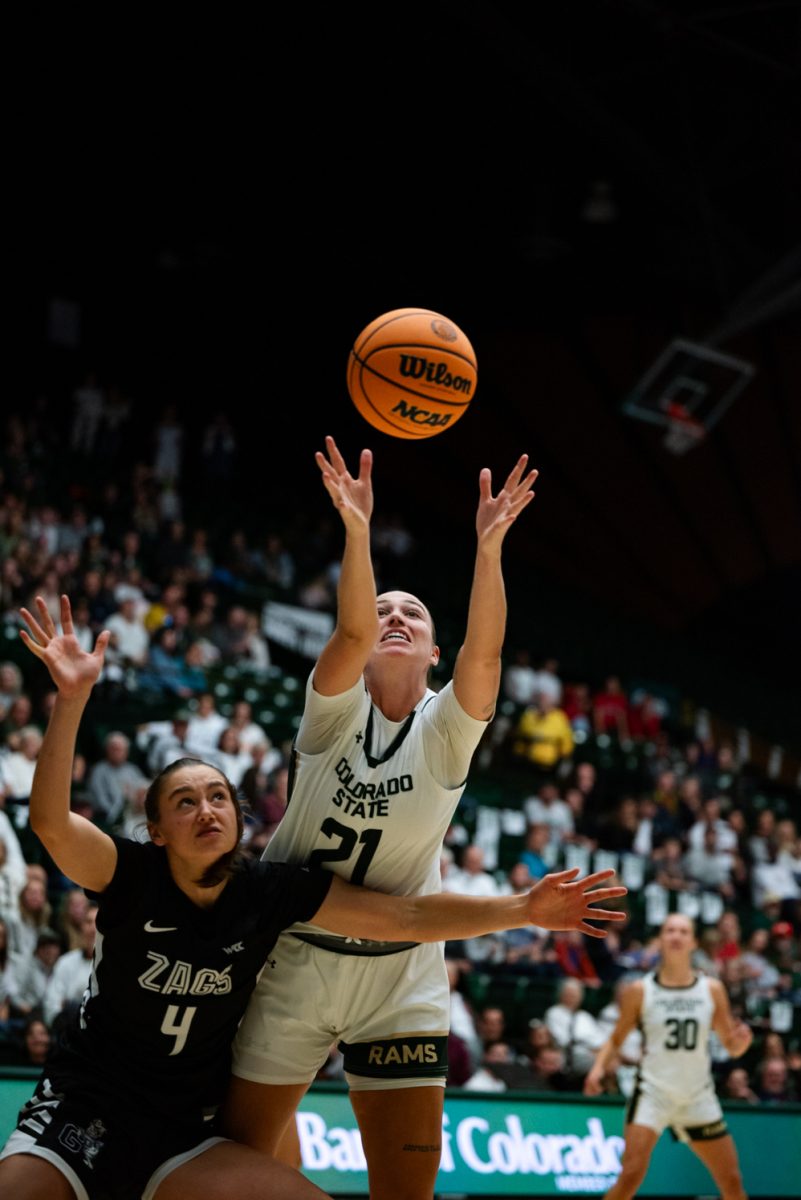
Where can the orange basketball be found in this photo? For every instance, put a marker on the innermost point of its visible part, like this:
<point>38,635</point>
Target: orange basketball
<point>412,373</point>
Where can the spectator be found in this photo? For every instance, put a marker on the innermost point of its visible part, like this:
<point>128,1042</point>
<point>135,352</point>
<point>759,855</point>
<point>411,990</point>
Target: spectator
<point>27,975</point>
<point>35,912</point>
<point>585,822</point>
<point>460,1065</point>
<point>548,683</point>
<point>543,737</point>
<point>17,770</point>
<point>573,958</point>
<point>11,685</point>
<point>524,950</point>
<point>205,726</point>
<point>646,714</point>
<point>547,808</point>
<point>577,707</point>
<point>36,1041</point>
<point>69,925</point>
<point>763,837</point>
<point>761,975</point>
<point>491,1025</point>
<point>130,641</point>
<point>472,879</point>
<point>619,830</point>
<point>488,1076</point>
<point>168,446</point>
<point>114,783</point>
<point>537,857</point>
<point>630,1051</point>
<point>232,760</point>
<point>710,818</point>
<point>654,824</point>
<point>575,1031</point>
<point>669,866</point>
<point>165,671</point>
<point>162,742</point>
<point>463,1022</point>
<point>774,1084</point>
<point>708,868</point>
<point>70,977</point>
<point>250,732</point>
<point>88,401</point>
<point>770,877</point>
<point>610,709</point>
<point>737,1086</point>
<point>520,680</point>
<point>730,943</point>
<point>12,867</point>
<point>256,650</point>
<point>548,1073</point>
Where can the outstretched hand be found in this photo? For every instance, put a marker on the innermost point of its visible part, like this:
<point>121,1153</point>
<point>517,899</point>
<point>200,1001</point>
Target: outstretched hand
<point>496,514</point>
<point>353,498</point>
<point>73,670</point>
<point>560,902</point>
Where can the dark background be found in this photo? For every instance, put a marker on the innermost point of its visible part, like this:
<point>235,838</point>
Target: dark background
<point>229,199</point>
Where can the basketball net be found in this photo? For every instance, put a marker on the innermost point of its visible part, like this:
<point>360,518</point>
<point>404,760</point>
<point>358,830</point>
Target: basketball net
<point>683,430</point>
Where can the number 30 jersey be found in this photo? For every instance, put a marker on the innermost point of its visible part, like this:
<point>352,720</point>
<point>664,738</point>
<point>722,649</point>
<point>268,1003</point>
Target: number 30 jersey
<point>371,799</point>
<point>675,1023</point>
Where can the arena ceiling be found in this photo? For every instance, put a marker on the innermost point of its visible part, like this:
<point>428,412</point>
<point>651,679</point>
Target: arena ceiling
<point>576,184</point>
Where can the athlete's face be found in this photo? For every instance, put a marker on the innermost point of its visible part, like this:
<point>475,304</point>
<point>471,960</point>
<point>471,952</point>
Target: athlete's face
<point>677,937</point>
<point>197,818</point>
<point>405,630</point>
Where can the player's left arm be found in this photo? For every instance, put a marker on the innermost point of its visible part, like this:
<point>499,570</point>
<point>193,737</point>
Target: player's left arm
<point>477,674</point>
<point>734,1034</point>
<point>558,901</point>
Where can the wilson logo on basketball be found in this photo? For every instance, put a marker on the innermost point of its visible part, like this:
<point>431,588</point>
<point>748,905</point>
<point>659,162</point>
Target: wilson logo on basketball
<point>414,367</point>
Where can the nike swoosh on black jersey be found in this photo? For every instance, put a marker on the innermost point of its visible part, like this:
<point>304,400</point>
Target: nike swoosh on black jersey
<point>151,928</point>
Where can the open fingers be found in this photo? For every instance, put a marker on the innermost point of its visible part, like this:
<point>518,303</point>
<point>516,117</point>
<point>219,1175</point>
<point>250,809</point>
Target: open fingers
<point>337,461</point>
<point>514,476</point>
<point>610,893</point>
<point>591,931</point>
<point>605,914</point>
<point>66,615</point>
<point>48,624</point>
<point>564,876</point>
<point>597,877</point>
<point>34,626</point>
<point>101,643</point>
<point>33,646</point>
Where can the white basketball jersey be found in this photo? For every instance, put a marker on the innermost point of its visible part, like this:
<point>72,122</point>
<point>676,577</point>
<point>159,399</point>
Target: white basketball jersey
<point>369,804</point>
<point>675,1024</point>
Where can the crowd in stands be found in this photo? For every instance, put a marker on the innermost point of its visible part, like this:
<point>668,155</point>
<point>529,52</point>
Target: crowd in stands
<point>572,772</point>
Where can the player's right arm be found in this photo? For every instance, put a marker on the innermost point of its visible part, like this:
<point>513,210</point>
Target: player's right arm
<point>630,1006</point>
<point>344,658</point>
<point>80,850</point>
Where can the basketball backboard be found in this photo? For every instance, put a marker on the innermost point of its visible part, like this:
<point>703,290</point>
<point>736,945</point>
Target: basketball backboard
<point>687,391</point>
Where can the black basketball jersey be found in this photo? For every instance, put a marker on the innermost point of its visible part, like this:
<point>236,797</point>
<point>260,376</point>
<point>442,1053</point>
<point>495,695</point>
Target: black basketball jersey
<point>170,981</point>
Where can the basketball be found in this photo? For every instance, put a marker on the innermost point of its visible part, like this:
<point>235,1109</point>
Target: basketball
<point>412,373</point>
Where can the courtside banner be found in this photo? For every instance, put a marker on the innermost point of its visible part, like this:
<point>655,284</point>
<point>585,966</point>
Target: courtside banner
<point>517,1144</point>
<point>510,1144</point>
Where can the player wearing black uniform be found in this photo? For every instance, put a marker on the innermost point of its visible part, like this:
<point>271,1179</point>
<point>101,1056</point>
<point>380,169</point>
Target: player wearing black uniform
<point>124,1108</point>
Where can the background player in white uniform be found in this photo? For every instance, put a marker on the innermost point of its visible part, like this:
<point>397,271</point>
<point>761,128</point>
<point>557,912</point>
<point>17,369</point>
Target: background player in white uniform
<point>675,1007</point>
<point>381,764</point>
